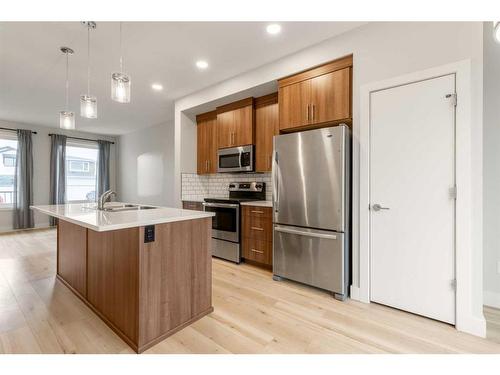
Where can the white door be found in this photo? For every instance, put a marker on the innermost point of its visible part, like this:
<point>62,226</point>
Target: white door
<point>412,163</point>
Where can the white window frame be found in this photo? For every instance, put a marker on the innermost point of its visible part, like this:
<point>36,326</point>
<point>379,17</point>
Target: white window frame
<point>86,166</point>
<point>82,144</point>
<point>4,157</point>
<point>12,137</point>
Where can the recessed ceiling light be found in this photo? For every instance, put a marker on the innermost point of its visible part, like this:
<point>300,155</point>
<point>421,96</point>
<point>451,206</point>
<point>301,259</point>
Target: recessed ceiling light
<point>201,64</point>
<point>157,87</point>
<point>273,29</point>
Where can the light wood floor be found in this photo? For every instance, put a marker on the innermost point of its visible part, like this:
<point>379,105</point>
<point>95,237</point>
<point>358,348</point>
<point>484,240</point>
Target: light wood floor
<point>253,314</point>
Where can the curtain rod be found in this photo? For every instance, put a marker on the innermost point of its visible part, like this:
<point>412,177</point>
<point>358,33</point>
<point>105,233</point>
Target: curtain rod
<point>15,130</point>
<point>82,139</point>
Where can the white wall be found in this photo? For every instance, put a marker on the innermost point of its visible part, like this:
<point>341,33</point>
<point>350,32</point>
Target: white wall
<point>145,166</point>
<point>41,173</point>
<point>381,51</point>
<point>491,168</point>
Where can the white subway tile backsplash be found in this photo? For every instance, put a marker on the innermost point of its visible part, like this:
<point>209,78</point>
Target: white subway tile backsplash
<point>198,187</point>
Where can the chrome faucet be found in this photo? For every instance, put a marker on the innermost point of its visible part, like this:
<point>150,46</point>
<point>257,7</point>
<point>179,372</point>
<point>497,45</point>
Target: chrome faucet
<point>104,198</point>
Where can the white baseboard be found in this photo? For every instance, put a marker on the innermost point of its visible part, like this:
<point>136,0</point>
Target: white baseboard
<point>472,324</point>
<point>355,293</point>
<point>37,226</point>
<point>491,299</point>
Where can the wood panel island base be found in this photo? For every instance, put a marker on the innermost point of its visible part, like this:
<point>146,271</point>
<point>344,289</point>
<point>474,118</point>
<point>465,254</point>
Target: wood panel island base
<point>144,282</point>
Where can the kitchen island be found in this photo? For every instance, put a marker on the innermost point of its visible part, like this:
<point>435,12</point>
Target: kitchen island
<point>146,272</point>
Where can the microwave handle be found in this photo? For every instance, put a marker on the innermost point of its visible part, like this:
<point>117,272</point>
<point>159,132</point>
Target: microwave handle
<point>240,158</point>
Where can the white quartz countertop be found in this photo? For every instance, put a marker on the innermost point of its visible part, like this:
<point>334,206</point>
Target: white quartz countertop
<point>86,215</point>
<point>258,203</point>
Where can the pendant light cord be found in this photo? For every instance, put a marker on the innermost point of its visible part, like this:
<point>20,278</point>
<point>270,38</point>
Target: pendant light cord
<point>88,60</point>
<point>121,50</point>
<point>67,81</point>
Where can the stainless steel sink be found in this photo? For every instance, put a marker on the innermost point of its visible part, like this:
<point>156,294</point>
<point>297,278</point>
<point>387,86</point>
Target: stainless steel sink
<point>128,207</point>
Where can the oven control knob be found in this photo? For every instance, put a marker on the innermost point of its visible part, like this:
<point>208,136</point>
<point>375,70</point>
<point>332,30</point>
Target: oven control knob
<point>258,186</point>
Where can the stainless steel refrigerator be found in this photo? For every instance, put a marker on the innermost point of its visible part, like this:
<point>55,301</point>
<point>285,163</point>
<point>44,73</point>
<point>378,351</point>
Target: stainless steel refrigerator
<point>311,208</point>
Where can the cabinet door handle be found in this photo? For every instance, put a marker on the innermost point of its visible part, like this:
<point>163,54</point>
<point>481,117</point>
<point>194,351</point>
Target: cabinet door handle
<point>257,212</point>
<point>312,114</point>
<point>256,228</point>
<point>307,113</point>
<point>206,166</point>
<point>257,251</point>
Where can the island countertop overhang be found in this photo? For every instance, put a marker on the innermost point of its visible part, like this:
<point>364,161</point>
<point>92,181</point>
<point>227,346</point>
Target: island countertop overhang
<point>88,216</point>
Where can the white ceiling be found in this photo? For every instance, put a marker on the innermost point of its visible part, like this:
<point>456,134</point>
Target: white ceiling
<point>32,69</point>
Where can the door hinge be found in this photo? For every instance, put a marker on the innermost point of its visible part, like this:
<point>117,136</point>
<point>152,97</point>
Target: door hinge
<point>454,284</point>
<point>453,192</point>
<point>453,98</point>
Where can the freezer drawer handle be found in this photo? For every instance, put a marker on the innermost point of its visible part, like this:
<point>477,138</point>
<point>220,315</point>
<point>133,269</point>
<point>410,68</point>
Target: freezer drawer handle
<point>309,234</point>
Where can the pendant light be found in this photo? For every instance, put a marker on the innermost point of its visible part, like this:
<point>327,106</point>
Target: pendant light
<point>120,82</point>
<point>88,103</point>
<point>66,117</point>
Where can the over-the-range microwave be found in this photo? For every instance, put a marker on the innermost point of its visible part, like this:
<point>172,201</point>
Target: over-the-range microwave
<point>235,159</point>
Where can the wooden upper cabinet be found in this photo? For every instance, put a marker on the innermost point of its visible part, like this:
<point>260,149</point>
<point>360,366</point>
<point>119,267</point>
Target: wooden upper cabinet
<point>207,143</point>
<point>225,129</point>
<point>235,124</point>
<point>243,126</point>
<point>330,97</point>
<point>266,127</point>
<point>318,96</point>
<point>294,104</point>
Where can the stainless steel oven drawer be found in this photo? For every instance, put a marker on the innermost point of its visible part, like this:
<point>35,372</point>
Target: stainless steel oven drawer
<point>313,257</point>
<point>226,250</point>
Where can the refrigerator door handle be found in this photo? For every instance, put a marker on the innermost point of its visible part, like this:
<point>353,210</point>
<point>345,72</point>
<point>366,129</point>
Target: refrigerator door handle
<point>274,173</point>
<point>303,233</point>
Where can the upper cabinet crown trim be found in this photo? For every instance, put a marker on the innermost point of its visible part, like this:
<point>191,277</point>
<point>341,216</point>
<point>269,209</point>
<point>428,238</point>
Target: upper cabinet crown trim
<point>212,115</point>
<point>262,101</point>
<point>332,66</point>
<point>235,105</point>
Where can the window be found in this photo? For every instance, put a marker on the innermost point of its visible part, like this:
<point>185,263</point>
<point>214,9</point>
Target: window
<point>81,172</point>
<point>79,166</point>
<point>9,160</point>
<point>8,149</point>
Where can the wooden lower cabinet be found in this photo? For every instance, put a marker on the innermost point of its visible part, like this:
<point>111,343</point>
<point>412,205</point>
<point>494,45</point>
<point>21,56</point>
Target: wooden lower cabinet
<point>257,235</point>
<point>258,251</point>
<point>72,255</point>
<point>192,205</point>
<point>144,292</point>
<point>113,276</point>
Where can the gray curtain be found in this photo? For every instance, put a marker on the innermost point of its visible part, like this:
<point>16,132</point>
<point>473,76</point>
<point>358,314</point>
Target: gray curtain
<point>103,168</point>
<point>57,171</point>
<point>23,181</point>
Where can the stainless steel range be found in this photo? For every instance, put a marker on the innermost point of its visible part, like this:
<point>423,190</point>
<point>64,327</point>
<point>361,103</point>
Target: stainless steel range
<point>226,224</point>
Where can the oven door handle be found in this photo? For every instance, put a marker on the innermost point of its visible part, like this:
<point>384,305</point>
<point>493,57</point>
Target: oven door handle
<point>230,205</point>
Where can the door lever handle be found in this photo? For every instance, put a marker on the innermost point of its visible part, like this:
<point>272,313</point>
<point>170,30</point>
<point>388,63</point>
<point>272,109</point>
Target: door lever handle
<point>378,207</point>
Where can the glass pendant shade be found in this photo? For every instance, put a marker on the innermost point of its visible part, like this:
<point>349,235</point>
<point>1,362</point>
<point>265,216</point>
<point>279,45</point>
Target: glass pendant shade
<point>496,31</point>
<point>120,87</point>
<point>66,120</point>
<point>88,106</point>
